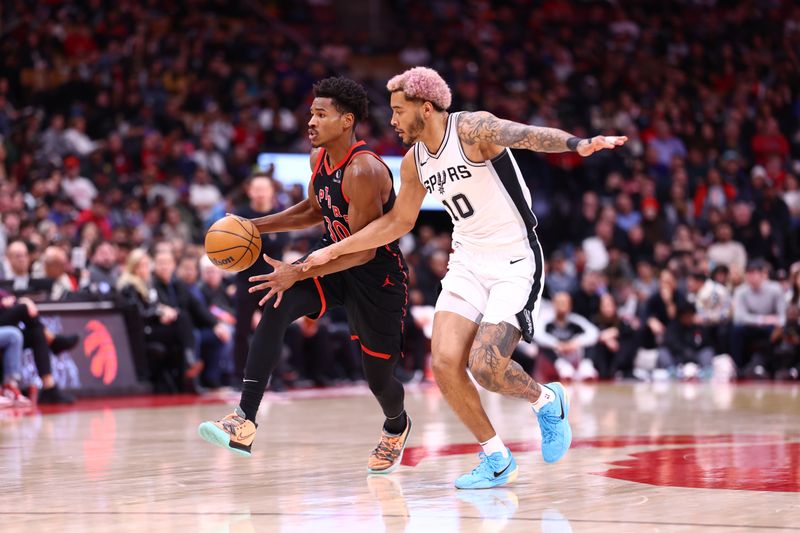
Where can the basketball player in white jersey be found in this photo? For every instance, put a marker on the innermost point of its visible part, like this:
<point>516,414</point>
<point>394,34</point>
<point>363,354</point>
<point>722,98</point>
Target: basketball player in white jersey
<point>493,286</point>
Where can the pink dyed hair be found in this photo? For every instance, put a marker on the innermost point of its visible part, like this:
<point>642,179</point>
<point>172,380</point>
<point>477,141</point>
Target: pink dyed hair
<point>422,83</point>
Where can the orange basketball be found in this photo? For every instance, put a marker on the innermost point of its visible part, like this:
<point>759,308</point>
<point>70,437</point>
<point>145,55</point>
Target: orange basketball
<point>233,243</point>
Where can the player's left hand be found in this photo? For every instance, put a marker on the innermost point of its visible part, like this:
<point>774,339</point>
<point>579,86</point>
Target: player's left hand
<point>276,282</point>
<point>600,142</point>
<point>320,257</point>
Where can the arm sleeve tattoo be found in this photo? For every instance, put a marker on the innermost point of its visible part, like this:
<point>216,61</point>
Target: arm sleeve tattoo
<point>482,126</point>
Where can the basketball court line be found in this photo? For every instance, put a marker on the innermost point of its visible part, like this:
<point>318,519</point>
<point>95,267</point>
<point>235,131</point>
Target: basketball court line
<point>400,516</point>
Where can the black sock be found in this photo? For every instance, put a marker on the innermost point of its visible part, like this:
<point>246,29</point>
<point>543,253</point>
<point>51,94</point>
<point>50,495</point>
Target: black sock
<point>252,392</point>
<point>396,425</point>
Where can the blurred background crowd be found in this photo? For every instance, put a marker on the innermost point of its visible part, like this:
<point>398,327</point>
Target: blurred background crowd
<point>126,128</point>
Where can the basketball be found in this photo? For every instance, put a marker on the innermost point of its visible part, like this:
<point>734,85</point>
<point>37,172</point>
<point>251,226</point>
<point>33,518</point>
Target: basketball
<point>233,243</point>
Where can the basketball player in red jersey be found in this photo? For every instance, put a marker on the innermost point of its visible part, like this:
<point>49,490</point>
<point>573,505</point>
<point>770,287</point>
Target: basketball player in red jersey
<point>350,187</point>
<point>495,276</point>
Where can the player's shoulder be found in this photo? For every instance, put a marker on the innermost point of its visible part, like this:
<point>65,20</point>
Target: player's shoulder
<point>467,121</point>
<point>366,161</point>
<point>409,162</point>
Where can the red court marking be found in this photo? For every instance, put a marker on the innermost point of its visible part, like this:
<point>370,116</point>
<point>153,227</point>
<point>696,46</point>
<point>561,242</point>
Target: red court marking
<point>413,455</point>
<point>771,467</point>
<point>129,402</point>
<point>177,400</point>
<point>744,462</point>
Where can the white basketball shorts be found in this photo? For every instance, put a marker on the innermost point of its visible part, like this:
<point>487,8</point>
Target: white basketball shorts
<point>499,285</point>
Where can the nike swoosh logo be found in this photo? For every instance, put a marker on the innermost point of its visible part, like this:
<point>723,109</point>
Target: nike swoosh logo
<point>516,260</point>
<point>561,403</point>
<point>250,380</point>
<point>500,473</point>
<point>423,164</point>
<point>245,437</point>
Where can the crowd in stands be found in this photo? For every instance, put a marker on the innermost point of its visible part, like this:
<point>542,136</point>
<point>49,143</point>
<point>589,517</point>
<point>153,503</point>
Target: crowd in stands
<point>126,128</point>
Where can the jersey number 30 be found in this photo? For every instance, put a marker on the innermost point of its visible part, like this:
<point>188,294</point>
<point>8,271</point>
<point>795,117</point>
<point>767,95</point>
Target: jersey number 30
<point>462,206</point>
<point>336,229</point>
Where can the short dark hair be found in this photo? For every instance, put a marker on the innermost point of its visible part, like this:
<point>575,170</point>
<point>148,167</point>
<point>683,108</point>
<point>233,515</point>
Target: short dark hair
<point>347,95</point>
<point>757,264</point>
<point>699,275</point>
<point>720,269</point>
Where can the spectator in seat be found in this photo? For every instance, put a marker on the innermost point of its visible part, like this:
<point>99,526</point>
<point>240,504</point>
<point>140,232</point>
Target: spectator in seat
<point>55,263</point>
<point>560,275</point>
<point>617,340</point>
<point>14,312</point>
<point>79,189</point>
<point>213,350</point>
<point>712,302</point>
<point>565,338</point>
<point>786,346</point>
<point>688,344</point>
<point>726,251</point>
<point>11,341</point>
<point>191,313</point>
<point>103,271</point>
<point>168,333</point>
<point>586,300</point>
<point>759,308</point>
<point>19,264</point>
<point>661,310</point>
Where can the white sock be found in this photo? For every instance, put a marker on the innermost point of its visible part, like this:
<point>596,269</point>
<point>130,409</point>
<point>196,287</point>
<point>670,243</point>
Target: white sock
<point>494,445</point>
<point>545,397</point>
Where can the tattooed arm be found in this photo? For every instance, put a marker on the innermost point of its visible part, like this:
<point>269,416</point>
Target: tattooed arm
<point>481,127</point>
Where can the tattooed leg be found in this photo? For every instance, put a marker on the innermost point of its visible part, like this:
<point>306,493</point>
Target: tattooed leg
<point>491,365</point>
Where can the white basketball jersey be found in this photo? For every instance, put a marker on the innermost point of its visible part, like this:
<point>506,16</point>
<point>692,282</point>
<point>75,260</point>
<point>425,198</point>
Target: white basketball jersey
<point>488,202</point>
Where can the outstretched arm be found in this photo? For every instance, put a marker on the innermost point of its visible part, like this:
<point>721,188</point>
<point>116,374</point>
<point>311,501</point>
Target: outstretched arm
<point>393,225</point>
<point>482,127</point>
<point>300,216</point>
<point>364,183</point>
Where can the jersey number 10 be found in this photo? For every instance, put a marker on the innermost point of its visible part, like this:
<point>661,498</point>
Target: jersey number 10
<point>462,206</point>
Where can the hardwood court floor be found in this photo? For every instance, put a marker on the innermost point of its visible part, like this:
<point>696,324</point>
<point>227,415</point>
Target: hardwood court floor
<point>645,457</point>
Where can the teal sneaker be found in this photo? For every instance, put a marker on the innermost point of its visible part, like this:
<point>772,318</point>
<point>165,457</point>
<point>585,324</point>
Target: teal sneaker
<point>494,470</point>
<point>234,433</point>
<point>554,423</point>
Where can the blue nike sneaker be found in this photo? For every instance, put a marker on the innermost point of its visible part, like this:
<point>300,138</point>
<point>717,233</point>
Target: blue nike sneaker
<point>494,470</point>
<point>554,423</point>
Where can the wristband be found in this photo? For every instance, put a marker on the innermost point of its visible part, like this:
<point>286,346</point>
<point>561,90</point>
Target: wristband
<point>572,143</point>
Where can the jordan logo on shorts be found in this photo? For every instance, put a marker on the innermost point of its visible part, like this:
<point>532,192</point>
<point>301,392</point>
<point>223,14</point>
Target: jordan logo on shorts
<point>387,282</point>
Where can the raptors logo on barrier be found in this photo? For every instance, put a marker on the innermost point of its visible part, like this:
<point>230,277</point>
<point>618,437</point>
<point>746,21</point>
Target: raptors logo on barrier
<point>98,346</point>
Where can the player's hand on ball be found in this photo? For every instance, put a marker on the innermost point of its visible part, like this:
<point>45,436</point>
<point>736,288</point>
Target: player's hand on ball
<point>276,282</point>
<point>320,257</point>
<point>600,142</point>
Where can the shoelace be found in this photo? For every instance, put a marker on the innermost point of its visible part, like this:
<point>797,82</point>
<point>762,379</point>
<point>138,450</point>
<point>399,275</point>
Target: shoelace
<point>483,465</point>
<point>385,448</point>
<point>232,423</point>
<point>547,424</point>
